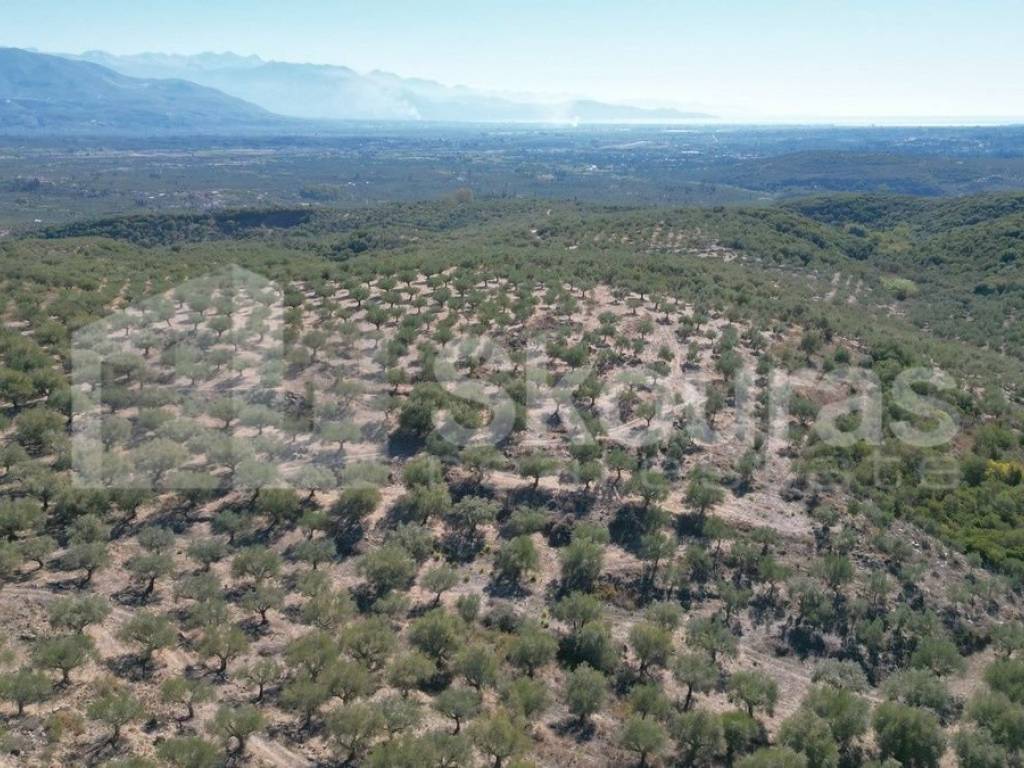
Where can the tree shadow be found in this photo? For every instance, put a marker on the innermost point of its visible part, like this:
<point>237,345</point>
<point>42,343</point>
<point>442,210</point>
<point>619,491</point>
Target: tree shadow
<point>505,589</point>
<point>530,496</point>
<point>364,597</point>
<point>763,609</point>
<point>103,752</point>
<point>133,597</point>
<point>469,487</point>
<point>130,667</point>
<point>402,445</point>
<point>571,727</point>
<point>68,585</point>
<point>805,642</point>
<point>462,547</point>
<point>580,503</point>
<point>401,512</point>
<point>691,525</point>
<point>627,526</point>
<point>441,680</point>
<point>254,628</point>
<point>559,533</point>
<point>347,537</point>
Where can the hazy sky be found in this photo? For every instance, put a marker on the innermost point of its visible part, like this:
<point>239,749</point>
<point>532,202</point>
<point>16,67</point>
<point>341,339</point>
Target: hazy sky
<point>859,58</point>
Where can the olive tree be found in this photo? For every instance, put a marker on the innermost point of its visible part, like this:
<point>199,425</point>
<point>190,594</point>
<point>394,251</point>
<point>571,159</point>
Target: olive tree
<point>585,691</point>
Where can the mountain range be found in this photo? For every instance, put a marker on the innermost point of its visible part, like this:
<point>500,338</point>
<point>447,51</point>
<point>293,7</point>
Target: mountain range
<point>41,93</point>
<point>101,93</point>
<point>326,92</point>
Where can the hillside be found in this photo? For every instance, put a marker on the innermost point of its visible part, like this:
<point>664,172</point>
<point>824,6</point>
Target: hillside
<point>954,265</point>
<point>949,267</point>
<point>501,483</point>
<point>50,94</point>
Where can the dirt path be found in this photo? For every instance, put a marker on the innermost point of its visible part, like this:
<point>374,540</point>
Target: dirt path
<point>271,753</point>
<point>852,298</point>
<point>831,295</point>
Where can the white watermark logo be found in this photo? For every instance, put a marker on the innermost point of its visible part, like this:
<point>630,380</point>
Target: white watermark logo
<point>232,381</point>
